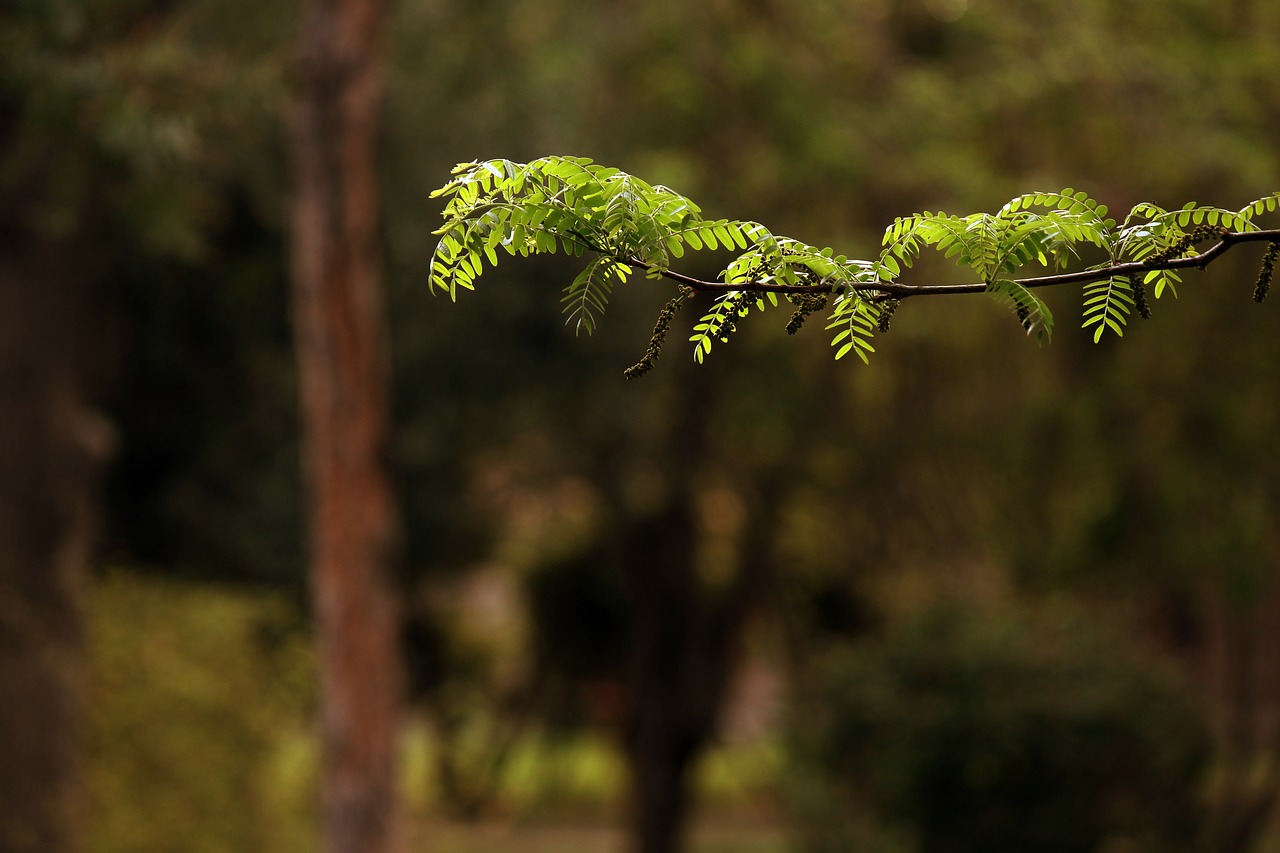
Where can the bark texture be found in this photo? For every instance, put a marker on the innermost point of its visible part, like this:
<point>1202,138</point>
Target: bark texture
<point>343,372</point>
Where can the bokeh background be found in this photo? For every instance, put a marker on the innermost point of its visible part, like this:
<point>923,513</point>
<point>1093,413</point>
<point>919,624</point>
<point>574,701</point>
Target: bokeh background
<point>977,596</point>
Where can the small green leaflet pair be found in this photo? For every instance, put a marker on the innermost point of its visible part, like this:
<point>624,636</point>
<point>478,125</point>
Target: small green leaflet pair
<point>573,205</point>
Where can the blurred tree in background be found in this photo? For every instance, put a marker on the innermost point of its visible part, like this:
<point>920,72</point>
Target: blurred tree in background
<point>763,506</point>
<point>977,727</point>
<point>214,775</point>
<point>934,104</point>
<point>340,338</point>
<point>94,136</point>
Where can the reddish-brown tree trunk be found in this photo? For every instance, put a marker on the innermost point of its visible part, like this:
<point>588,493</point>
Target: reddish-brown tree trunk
<point>51,449</point>
<point>343,374</point>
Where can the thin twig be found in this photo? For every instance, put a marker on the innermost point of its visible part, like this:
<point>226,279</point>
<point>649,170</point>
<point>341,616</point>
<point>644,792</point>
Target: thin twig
<point>899,290</point>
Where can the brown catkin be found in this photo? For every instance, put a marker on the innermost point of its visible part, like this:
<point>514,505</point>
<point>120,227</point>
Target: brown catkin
<point>806,304</point>
<point>1268,270</point>
<point>660,329</point>
<point>886,315</point>
<point>1186,241</point>
<point>1140,297</point>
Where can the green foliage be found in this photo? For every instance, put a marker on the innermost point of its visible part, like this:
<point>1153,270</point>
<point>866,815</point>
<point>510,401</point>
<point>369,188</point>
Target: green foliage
<point>1030,310</point>
<point>198,732</point>
<point>722,320</point>
<point>996,245</point>
<point>124,108</point>
<point>855,320</point>
<point>572,205</point>
<point>1107,305</point>
<point>1153,234</point>
<point>972,729</point>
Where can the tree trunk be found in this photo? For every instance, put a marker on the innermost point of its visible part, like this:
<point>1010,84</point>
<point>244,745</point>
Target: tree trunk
<point>679,657</point>
<point>685,647</point>
<point>343,375</point>
<point>672,711</point>
<point>1249,739</point>
<point>51,449</point>
<point>685,641</point>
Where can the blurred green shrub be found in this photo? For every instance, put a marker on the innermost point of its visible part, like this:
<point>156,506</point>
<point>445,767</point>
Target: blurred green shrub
<point>198,720</point>
<point>975,729</point>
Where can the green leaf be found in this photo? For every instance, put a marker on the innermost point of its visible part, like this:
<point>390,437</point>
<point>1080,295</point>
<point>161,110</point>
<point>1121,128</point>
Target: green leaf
<point>855,321</point>
<point>1107,305</point>
<point>588,295</point>
<point>1031,311</point>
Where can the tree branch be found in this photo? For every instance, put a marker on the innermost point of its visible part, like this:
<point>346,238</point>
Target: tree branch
<point>898,290</point>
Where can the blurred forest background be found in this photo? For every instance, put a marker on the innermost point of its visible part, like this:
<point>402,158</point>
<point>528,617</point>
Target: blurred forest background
<point>976,596</point>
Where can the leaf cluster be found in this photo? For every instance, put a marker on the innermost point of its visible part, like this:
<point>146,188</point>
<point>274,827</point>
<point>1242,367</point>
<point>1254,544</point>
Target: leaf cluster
<point>573,205</point>
<point>1043,228</point>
